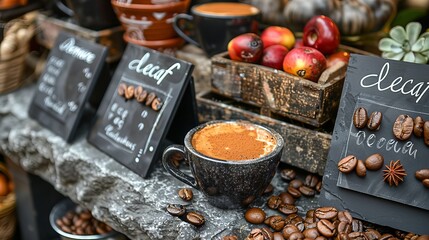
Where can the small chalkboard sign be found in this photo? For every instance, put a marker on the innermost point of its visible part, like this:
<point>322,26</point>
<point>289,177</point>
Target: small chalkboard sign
<point>392,88</point>
<point>72,70</point>
<point>140,105</point>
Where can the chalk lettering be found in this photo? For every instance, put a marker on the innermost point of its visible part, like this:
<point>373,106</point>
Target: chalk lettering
<point>57,107</point>
<point>68,46</point>
<point>109,131</point>
<point>417,90</point>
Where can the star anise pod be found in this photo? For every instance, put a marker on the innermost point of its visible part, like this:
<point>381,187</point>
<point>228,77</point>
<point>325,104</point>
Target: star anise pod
<point>394,173</point>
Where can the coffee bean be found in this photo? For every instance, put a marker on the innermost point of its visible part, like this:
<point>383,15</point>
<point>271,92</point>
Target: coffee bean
<point>360,117</point>
<point>255,215</point>
<point>156,104</point>
<point>345,216</point>
<point>140,94</point>
<point>360,169</point>
<point>311,181</point>
<point>342,236</point>
<point>276,223</point>
<point>411,236</point>
<point>403,127</point>
<point>85,215</point>
<point>357,225</point>
<point>150,97</point>
<point>307,191</point>
<point>426,133</point>
<point>386,236</point>
<point>186,194</point>
<point>426,182</point>
<point>310,213</point>
<point>121,89</point>
<point>374,162</point>
<point>288,230</point>
<point>374,121</point>
<point>287,209</point>
<point>293,219</point>
<point>321,238</point>
<point>286,198</point>
<point>357,236</point>
<point>195,219</point>
<point>326,213</point>
<point>230,237</point>
<point>347,164</point>
<point>311,233</point>
<point>260,234</point>
<point>66,229</point>
<point>423,237</point>
<point>326,228</point>
<point>297,236</point>
<point>296,183</point>
<point>176,209</point>
<point>344,227</point>
<point>278,236</point>
<point>372,234</point>
<point>319,186</point>
<point>418,126</point>
<point>269,189</point>
<point>288,174</point>
<point>129,92</point>
<point>274,202</point>
<point>422,174</point>
<point>294,192</point>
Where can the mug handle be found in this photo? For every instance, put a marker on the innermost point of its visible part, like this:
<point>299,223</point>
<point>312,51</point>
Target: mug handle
<point>179,31</point>
<point>63,8</point>
<point>167,161</point>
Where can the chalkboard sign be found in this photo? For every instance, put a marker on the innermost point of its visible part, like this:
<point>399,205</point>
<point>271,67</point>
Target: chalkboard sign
<point>392,88</point>
<point>141,102</point>
<point>63,89</point>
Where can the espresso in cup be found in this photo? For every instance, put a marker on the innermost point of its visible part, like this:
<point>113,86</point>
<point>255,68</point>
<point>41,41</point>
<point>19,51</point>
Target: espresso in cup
<point>232,162</point>
<point>233,141</point>
<point>226,9</point>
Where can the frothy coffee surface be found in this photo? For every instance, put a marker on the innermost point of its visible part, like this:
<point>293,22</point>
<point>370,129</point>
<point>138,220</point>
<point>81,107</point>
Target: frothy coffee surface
<point>227,9</point>
<point>233,141</point>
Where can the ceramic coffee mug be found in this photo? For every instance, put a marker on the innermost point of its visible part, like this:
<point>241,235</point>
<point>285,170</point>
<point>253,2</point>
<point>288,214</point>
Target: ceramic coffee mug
<point>232,162</point>
<point>216,23</point>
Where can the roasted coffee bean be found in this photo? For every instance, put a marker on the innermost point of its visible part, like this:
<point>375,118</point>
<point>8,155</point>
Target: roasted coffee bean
<point>403,127</point>
<point>288,230</point>
<point>176,209</point>
<point>307,191</point>
<point>66,221</point>
<point>344,227</point>
<point>347,164</point>
<point>426,182</point>
<point>345,216</point>
<point>310,213</point>
<point>311,181</point>
<point>319,186</point>
<point>255,215</point>
<point>276,222</point>
<point>129,92</point>
<point>374,120</point>
<point>372,234</point>
<point>274,202</point>
<point>422,174</point>
<point>418,126</point>
<point>357,226</point>
<point>426,133</point>
<point>269,189</point>
<point>321,238</point>
<point>260,234</point>
<point>121,89</point>
<point>150,97</point>
<point>66,229</point>
<point>311,233</point>
<point>423,237</point>
<point>286,198</point>
<point>287,209</point>
<point>360,118</point>
<point>230,237</point>
<point>360,169</point>
<point>357,236</point>
<point>140,94</point>
<point>288,174</point>
<point>326,228</point>
<point>300,225</point>
<point>156,104</point>
<point>296,183</point>
<point>342,236</point>
<point>294,192</point>
<point>293,219</point>
<point>85,215</point>
<point>374,162</point>
<point>410,236</point>
<point>278,236</point>
<point>195,219</point>
<point>186,194</point>
<point>297,236</point>
<point>386,236</point>
<point>326,213</point>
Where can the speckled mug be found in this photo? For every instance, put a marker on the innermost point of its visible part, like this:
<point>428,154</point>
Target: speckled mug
<point>226,184</point>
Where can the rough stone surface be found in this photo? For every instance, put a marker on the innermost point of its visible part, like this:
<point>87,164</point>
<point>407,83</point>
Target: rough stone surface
<point>130,204</point>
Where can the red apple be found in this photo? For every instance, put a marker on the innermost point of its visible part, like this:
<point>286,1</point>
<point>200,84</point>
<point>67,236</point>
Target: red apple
<point>321,33</point>
<point>278,35</point>
<point>246,47</point>
<point>340,56</point>
<point>273,56</point>
<point>305,62</point>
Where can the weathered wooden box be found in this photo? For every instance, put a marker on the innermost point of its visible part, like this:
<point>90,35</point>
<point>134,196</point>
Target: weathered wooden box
<point>278,92</point>
<point>306,147</point>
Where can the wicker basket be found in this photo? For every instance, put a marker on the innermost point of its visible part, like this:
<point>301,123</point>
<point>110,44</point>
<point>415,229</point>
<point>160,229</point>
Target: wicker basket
<point>7,211</point>
<point>12,69</point>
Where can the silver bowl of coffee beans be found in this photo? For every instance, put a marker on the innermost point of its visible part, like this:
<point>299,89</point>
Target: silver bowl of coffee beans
<point>74,222</point>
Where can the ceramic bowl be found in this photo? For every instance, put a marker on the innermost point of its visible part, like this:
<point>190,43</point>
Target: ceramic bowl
<point>167,46</point>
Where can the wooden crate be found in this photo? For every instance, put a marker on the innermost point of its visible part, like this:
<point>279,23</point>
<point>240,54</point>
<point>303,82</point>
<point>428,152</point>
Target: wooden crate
<point>276,91</point>
<point>306,147</point>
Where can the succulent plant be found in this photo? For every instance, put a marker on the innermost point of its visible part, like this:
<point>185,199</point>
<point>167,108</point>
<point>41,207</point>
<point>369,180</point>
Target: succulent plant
<point>406,44</point>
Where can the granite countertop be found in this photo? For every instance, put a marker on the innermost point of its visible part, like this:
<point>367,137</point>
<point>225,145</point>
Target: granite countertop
<point>130,204</point>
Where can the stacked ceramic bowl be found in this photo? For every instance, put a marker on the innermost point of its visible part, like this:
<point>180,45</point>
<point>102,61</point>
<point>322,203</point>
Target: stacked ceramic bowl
<point>149,23</point>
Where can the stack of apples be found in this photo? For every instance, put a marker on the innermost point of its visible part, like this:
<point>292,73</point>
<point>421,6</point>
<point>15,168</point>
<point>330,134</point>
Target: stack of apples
<point>276,47</point>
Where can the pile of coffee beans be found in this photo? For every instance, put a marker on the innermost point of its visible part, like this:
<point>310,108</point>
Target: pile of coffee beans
<point>81,222</point>
<point>423,176</point>
<point>178,210</point>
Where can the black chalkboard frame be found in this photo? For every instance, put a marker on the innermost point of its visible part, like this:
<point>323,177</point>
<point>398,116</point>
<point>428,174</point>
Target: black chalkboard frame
<point>66,124</point>
<point>178,113</point>
<point>397,211</point>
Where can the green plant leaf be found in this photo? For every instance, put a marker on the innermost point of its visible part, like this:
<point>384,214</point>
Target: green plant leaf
<point>398,34</point>
<point>392,55</point>
<point>420,58</point>
<point>413,30</point>
<point>409,57</point>
<point>389,45</point>
<point>419,45</point>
